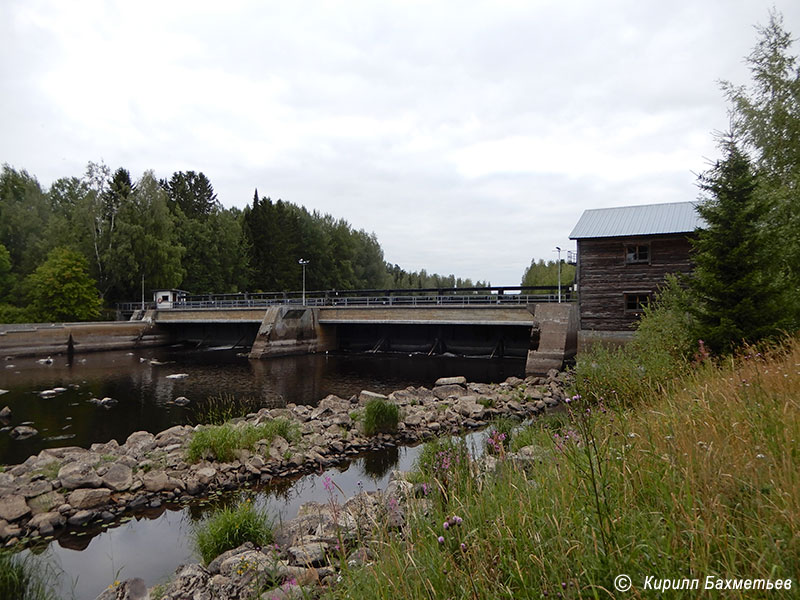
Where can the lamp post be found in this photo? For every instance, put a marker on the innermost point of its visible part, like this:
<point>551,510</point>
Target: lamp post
<point>304,262</point>
<point>558,249</point>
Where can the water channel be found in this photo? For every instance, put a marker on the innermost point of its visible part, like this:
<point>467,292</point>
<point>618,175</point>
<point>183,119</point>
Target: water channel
<point>154,543</point>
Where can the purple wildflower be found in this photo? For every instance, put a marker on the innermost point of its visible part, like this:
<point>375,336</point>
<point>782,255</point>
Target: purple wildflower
<point>441,539</point>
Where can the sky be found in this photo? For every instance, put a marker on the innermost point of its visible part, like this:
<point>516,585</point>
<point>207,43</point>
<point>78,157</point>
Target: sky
<point>468,136</point>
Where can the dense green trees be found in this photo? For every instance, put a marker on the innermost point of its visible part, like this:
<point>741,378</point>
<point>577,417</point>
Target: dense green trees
<point>61,289</point>
<point>546,273</point>
<point>171,233</point>
<point>737,294</point>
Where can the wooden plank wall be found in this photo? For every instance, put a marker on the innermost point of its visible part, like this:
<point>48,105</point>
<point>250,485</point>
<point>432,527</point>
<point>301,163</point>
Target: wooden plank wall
<point>604,277</point>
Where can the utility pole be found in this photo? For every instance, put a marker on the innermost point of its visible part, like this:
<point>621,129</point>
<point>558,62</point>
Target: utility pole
<point>304,262</point>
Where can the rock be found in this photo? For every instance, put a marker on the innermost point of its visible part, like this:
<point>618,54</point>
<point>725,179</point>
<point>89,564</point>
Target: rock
<point>23,432</point>
<point>89,498</point>
<point>309,552</point>
<point>278,448</point>
<point>118,477</point>
<point>214,566</point>
<point>288,591</point>
<point>159,481</point>
<point>181,401</point>
<point>138,443</point>
<point>468,407</point>
<point>443,392</point>
<point>451,381</point>
<point>45,502</point>
<point>13,508</point>
<point>252,562</point>
<point>35,488</point>
<point>81,518</point>
<point>205,475</point>
<point>514,381</point>
<point>5,412</point>
<point>130,589</point>
<point>47,522</point>
<point>178,376</point>
<point>365,396</point>
<point>79,474</point>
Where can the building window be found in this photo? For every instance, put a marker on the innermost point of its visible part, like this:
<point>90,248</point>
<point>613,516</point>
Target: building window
<point>636,301</point>
<point>637,253</point>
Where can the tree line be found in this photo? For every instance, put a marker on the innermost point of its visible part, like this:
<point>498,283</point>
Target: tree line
<point>88,242</point>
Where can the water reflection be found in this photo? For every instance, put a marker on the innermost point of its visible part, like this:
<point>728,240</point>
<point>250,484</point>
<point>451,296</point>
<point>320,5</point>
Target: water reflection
<point>145,394</point>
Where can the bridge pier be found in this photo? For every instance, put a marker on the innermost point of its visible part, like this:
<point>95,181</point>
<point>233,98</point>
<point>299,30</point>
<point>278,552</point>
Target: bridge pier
<point>288,330</point>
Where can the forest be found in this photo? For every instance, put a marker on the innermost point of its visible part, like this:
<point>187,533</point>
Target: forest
<point>71,251</point>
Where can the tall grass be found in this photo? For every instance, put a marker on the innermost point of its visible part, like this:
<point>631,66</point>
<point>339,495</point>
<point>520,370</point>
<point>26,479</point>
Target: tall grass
<point>220,442</point>
<point>380,416</point>
<point>701,480</point>
<point>217,410</point>
<point>229,528</point>
<point>25,578</point>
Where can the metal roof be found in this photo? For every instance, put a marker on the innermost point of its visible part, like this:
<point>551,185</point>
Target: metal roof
<point>646,219</point>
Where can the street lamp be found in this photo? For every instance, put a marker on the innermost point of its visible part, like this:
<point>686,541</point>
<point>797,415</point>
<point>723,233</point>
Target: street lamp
<point>559,274</point>
<point>304,262</point>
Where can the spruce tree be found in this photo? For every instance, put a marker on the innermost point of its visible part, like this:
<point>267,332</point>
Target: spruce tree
<point>734,280</point>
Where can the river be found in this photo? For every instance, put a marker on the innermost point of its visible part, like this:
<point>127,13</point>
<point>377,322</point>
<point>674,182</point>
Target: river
<point>154,543</point>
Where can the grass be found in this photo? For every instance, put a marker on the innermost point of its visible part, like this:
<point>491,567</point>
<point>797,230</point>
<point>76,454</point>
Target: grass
<point>691,480</point>
<point>217,410</point>
<point>229,528</point>
<point>220,442</point>
<point>380,416</point>
<point>25,578</point>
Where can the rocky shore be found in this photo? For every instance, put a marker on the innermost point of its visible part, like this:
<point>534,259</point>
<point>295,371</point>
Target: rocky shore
<point>67,488</point>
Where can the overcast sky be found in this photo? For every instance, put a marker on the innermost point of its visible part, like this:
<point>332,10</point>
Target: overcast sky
<point>468,136</point>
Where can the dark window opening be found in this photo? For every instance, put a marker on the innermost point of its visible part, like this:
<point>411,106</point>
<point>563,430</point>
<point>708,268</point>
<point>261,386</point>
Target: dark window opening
<point>637,254</point>
<point>636,302</point>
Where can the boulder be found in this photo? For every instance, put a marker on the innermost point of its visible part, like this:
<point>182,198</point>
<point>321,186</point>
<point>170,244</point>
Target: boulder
<point>365,396</point>
<point>159,481</point>
<point>205,475</point>
<point>13,508</point>
<point>35,488</point>
<point>47,522</point>
<point>266,566</point>
<point>181,401</point>
<point>443,392</point>
<point>130,589</point>
<point>118,477</point>
<point>45,503</point>
<point>81,518</point>
<point>139,442</point>
<point>79,474</point>
<point>5,413</point>
<point>23,432</point>
<point>309,552</point>
<point>89,498</point>
<point>451,381</point>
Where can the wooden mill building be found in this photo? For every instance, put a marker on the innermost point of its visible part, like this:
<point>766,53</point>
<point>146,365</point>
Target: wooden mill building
<point>624,254</point>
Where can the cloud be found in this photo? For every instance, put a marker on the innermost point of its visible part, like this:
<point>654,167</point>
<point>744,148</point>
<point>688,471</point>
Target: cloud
<point>468,136</point>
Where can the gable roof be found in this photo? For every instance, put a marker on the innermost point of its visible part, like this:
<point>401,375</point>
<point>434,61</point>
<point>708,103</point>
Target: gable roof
<point>647,219</point>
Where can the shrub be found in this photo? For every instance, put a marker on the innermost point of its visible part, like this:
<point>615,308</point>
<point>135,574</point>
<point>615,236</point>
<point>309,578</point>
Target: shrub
<point>228,528</point>
<point>380,416</point>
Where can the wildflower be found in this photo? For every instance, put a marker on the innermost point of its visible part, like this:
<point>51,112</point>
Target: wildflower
<point>328,484</point>
<point>463,547</point>
<point>441,539</point>
<point>446,525</point>
<point>458,520</point>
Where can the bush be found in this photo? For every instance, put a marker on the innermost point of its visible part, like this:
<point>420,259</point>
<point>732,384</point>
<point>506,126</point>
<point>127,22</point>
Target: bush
<point>657,355</point>
<point>380,416</point>
<point>229,528</point>
<point>220,442</point>
<point>22,578</point>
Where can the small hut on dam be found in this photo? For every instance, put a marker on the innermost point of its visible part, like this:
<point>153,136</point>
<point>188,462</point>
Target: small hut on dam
<point>624,254</point>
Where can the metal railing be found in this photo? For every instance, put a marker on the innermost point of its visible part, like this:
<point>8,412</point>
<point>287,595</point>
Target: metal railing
<point>514,295</point>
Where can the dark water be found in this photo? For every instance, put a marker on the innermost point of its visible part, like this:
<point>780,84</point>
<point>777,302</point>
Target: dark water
<point>145,392</point>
